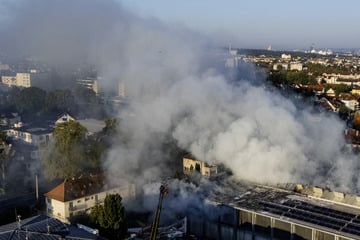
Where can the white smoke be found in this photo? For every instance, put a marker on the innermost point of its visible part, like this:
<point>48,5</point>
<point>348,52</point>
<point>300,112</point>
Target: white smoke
<point>178,94</point>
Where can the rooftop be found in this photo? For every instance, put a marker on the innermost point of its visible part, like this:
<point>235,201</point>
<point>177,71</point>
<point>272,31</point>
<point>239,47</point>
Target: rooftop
<point>43,228</point>
<point>75,188</point>
<point>312,211</point>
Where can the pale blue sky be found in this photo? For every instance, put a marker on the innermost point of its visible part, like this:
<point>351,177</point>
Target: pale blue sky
<point>259,23</point>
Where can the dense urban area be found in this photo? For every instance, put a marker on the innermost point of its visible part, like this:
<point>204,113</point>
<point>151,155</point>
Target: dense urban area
<point>57,125</point>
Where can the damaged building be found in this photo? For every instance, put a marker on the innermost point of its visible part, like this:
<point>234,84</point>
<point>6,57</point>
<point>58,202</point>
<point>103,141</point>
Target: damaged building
<point>192,165</point>
<point>248,211</point>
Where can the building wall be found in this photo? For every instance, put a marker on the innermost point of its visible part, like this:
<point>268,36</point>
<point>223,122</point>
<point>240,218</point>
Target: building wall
<point>352,104</point>
<point>254,225</point>
<point>284,66</point>
<point>23,80</point>
<point>355,91</point>
<point>9,80</point>
<point>27,137</point>
<point>193,165</point>
<point>20,80</point>
<point>121,91</point>
<point>56,209</point>
<point>89,83</point>
<point>296,66</point>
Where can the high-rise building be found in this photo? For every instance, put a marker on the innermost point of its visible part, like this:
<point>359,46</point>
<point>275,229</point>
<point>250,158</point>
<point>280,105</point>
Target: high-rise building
<point>121,89</point>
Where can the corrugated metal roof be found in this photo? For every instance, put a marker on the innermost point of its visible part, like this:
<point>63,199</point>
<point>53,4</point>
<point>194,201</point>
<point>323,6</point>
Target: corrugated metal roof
<point>43,228</point>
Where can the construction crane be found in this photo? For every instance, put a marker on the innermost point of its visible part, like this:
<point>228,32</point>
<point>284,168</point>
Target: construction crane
<point>155,224</point>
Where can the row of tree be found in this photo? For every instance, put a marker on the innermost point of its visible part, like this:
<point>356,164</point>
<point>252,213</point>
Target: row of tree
<point>318,69</point>
<point>33,101</point>
<point>291,77</point>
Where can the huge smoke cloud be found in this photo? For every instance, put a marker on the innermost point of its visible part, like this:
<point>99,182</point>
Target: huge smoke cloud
<point>178,93</point>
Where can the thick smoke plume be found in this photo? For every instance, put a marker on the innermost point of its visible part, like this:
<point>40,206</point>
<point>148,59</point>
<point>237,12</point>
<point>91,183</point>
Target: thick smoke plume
<point>179,96</point>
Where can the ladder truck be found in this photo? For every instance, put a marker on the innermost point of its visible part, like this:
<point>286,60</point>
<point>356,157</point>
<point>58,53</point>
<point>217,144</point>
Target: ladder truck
<point>155,224</point>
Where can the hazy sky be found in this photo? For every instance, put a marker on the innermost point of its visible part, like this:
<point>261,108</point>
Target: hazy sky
<point>260,23</point>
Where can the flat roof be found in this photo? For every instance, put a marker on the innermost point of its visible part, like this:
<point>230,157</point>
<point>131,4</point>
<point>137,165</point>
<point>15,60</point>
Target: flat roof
<point>330,216</point>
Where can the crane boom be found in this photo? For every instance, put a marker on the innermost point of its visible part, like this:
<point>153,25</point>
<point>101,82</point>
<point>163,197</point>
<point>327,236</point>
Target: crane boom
<point>155,224</point>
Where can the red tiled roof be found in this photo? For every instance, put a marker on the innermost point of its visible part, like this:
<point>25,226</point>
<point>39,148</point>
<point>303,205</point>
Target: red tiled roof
<point>77,188</point>
<point>57,193</point>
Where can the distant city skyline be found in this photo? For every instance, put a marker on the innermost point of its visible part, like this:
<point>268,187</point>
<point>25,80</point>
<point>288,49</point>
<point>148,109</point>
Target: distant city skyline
<point>260,23</point>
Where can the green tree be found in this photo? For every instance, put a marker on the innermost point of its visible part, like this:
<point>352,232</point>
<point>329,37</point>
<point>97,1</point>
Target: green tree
<point>58,101</point>
<point>30,100</point>
<point>277,77</point>
<point>71,153</point>
<point>342,88</point>
<point>111,216</point>
<point>111,127</point>
<point>343,112</point>
<point>85,95</point>
<point>327,88</point>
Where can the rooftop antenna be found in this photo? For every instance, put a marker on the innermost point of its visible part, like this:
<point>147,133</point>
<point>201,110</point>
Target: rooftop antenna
<point>47,226</point>
<point>18,217</point>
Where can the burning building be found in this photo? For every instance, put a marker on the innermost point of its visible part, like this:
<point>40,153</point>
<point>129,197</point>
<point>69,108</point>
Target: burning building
<point>247,211</point>
<point>190,165</point>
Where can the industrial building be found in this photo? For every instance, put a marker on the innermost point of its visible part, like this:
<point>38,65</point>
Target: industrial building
<point>248,211</point>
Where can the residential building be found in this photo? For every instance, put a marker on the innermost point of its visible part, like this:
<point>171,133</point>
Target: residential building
<point>89,83</point>
<point>4,67</point>
<point>20,80</point>
<point>286,57</point>
<point>191,165</point>
<point>64,118</point>
<point>296,66</point>
<point>352,104</point>
<point>9,80</point>
<point>79,195</point>
<point>330,92</point>
<point>9,119</point>
<point>23,80</point>
<point>280,66</point>
<point>333,78</point>
<point>30,135</point>
<point>355,90</point>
